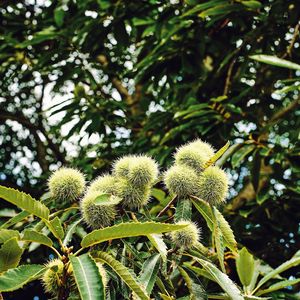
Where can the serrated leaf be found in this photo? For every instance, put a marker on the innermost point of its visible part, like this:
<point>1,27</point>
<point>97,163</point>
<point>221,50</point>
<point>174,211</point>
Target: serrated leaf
<point>158,242</point>
<point>36,237</point>
<point>124,274</point>
<point>14,279</point>
<point>24,201</point>
<point>87,277</point>
<point>56,228</point>
<point>126,230</point>
<point>275,61</point>
<point>205,210</point>
<point>7,234</point>
<point>217,155</point>
<point>245,265</point>
<point>16,219</point>
<point>226,230</point>
<point>149,272</point>
<point>183,210</point>
<point>222,279</point>
<point>70,231</point>
<point>10,255</point>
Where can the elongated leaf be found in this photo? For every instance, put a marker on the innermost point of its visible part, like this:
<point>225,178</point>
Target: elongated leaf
<point>14,279</point>
<point>124,274</point>
<point>56,228</point>
<point>293,262</point>
<point>7,234</point>
<point>70,231</point>
<point>275,61</point>
<point>241,154</point>
<point>278,286</point>
<point>87,277</point>
<point>36,237</point>
<point>158,242</point>
<point>24,201</point>
<point>183,210</point>
<point>149,272</point>
<point>16,219</point>
<point>226,230</point>
<point>217,155</point>
<point>245,265</point>
<point>126,230</point>
<point>205,210</point>
<point>10,254</point>
<point>199,271</point>
<point>222,279</point>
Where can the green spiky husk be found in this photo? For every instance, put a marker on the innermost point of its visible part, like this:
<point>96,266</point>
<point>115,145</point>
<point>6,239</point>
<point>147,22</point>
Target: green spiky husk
<point>96,216</point>
<point>66,185</point>
<point>187,237</point>
<point>104,183</point>
<point>194,155</point>
<point>213,185</point>
<point>122,165</point>
<point>181,181</point>
<point>133,197</point>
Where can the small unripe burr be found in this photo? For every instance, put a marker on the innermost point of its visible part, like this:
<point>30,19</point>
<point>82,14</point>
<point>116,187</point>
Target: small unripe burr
<point>132,196</point>
<point>181,181</point>
<point>52,277</point>
<point>66,184</point>
<point>97,216</point>
<point>194,155</point>
<point>104,183</point>
<point>121,166</point>
<point>143,171</point>
<point>213,185</point>
<point>187,237</point>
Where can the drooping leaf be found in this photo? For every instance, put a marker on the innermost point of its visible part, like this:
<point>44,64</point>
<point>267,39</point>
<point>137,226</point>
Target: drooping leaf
<point>158,242</point>
<point>14,279</point>
<point>24,201</point>
<point>149,272</point>
<point>275,61</point>
<point>205,210</point>
<point>36,237</point>
<point>10,254</point>
<point>124,274</point>
<point>7,234</point>
<point>127,230</point>
<point>245,265</point>
<point>222,279</point>
<point>16,219</point>
<point>183,210</point>
<point>70,231</point>
<point>87,277</point>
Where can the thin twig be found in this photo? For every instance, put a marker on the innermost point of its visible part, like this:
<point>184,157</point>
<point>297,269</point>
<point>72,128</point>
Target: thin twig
<point>167,206</point>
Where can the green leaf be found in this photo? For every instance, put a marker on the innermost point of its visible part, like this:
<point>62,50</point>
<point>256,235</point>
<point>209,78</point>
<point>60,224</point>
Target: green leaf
<point>36,237</point>
<point>24,201</point>
<point>241,154</point>
<point>10,254</point>
<point>124,274</point>
<point>222,279</point>
<point>7,234</point>
<point>278,286</point>
<point>157,241</point>
<point>59,16</point>
<point>293,262</point>
<point>226,230</point>
<point>183,210</point>
<point>87,277</point>
<point>107,199</point>
<point>275,61</point>
<point>217,155</point>
<point>245,265</point>
<point>126,230</point>
<point>205,210</point>
<point>16,219</point>
<point>255,170</point>
<point>252,4</point>
<point>70,231</point>
<point>14,279</point>
<point>56,228</point>
<point>149,272</point>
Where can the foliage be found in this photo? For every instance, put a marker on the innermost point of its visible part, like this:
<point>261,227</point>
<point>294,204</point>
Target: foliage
<point>177,265</point>
<point>84,82</point>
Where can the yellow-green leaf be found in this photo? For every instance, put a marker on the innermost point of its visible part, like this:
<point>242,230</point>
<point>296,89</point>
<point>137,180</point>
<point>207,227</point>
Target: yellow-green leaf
<point>10,254</point>
<point>7,234</point>
<point>36,237</point>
